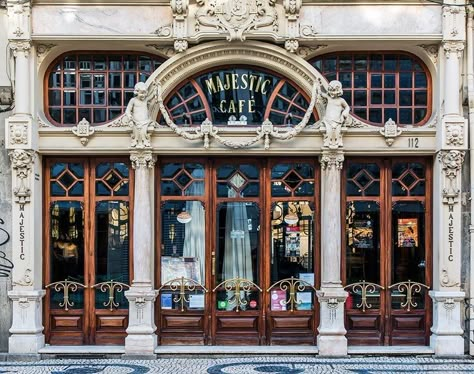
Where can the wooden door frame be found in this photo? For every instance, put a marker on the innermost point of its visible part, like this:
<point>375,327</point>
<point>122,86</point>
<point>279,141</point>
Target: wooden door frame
<point>386,201</point>
<point>88,202</point>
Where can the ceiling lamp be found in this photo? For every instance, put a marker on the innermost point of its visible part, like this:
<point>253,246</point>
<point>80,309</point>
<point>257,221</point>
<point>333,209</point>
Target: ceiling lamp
<point>184,217</point>
<point>291,219</point>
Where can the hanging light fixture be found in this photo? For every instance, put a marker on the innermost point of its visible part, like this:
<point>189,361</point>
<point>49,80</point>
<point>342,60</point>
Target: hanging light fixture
<point>184,217</point>
<point>291,218</point>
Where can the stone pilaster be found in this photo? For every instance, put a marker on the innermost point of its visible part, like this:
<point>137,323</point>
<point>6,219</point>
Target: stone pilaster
<point>452,139</point>
<point>21,141</point>
<point>141,339</point>
<point>447,295</point>
<point>331,338</point>
<point>27,330</point>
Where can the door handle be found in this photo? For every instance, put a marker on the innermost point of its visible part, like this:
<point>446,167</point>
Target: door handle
<point>213,263</point>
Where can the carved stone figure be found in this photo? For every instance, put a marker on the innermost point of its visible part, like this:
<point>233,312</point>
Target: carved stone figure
<point>337,111</point>
<point>139,119</point>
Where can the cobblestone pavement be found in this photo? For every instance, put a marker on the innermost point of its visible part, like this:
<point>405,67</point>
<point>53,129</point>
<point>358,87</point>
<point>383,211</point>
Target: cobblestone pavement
<point>246,365</point>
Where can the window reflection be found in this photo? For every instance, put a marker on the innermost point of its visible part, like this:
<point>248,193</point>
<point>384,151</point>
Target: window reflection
<point>182,241</point>
<point>111,247</point>
<point>67,248</point>
<point>292,244</point>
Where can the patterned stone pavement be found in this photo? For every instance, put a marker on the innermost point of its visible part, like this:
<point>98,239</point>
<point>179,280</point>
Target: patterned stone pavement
<point>246,365</point>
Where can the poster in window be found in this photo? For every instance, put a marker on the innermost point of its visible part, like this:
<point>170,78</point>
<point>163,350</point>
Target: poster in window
<point>407,232</point>
<point>363,234</point>
<point>177,267</point>
<point>292,241</point>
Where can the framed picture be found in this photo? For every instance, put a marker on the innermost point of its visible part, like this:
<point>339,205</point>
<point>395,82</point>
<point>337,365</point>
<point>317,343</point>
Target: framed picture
<point>177,267</point>
<point>407,232</point>
<point>363,234</point>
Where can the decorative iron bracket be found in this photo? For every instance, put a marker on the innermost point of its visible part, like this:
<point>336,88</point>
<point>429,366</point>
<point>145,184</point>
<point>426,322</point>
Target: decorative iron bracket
<point>363,288</point>
<point>237,285</point>
<point>111,287</point>
<point>67,286</point>
<point>411,288</point>
<point>293,285</point>
<point>184,286</point>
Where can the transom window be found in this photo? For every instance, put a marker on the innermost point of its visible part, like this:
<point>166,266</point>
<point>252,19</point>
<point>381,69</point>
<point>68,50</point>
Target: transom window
<point>237,96</point>
<point>96,87</point>
<point>379,86</point>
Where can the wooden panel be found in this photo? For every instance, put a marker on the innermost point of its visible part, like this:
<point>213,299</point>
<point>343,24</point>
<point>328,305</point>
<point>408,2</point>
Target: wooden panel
<point>183,322</point>
<point>237,322</point>
<point>408,322</point>
<point>113,322</point>
<point>303,322</point>
<point>360,322</point>
<point>66,322</point>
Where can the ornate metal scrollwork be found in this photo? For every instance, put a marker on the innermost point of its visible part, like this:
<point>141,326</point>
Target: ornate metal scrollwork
<point>363,288</point>
<point>237,285</point>
<point>184,286</point>
<point>411,288</point>
<point>111,287</point>
<point>67,286</point>
<point>293,285</point>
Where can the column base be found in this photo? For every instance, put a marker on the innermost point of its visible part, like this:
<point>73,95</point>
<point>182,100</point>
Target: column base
<point>141,339</point>
<point>331,338</point>
<point>447,331</point>
<point>332,345</point>
<point>27,330</point>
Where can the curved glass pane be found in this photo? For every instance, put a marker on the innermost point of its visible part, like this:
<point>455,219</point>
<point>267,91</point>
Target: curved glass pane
<point>237,96</point>
<point>92,86</point>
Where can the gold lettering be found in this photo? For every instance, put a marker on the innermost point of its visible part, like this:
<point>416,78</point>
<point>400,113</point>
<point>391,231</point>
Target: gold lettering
<point>259,82</point>
<point>252,80</point>
<point>251,106</point>
<point>227,82</point>
<point>222,106</point>
<point>264,84</point>
<point>241,105</point>
<point>211,88</point>
<point>244,78</point>
<point>219,84</point>
<point>235,84</point>
<point>231,107</point>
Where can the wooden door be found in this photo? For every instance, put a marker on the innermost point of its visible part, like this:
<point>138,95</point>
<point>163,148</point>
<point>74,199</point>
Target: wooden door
<point>236,264</point>
<point>87,246</point>
<point>387,256</point>
<point>292,255</point>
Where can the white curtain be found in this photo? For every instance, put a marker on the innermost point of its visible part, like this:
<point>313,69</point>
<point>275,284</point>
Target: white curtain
<point>194,235</point>
<point>237,251</point>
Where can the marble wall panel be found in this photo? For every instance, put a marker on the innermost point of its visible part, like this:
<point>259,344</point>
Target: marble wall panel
<point>99,20</point>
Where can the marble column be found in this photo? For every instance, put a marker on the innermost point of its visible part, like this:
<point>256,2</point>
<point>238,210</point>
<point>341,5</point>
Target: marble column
<point>331,337</point>
<point>141,339</point>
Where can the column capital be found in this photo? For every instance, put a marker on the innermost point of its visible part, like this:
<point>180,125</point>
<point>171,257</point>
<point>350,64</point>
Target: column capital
<point>20,47</point>
<point>22,162</point>
<point>331,160</point>
<point>142,159</point>
<point>453,48</point>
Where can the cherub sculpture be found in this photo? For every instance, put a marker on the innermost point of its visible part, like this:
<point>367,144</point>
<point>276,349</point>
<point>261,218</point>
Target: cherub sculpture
<point>139,119</point>
<point>335,116</point>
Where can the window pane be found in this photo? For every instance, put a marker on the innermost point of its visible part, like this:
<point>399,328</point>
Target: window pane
<point>183,241</point>
<point>111,249</point>
<point>362,242</point>
<point>67,249</point>
<point>292,234</point>
<point>54,97</point>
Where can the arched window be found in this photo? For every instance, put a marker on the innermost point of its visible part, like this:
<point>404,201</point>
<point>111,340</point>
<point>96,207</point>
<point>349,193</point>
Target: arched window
<point>96,87</point>
<point>381,85</point>
<point>237,96</point>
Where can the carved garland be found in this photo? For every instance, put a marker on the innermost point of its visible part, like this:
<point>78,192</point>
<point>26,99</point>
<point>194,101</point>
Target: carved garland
<point>265,131</point>
<point>451,162</point>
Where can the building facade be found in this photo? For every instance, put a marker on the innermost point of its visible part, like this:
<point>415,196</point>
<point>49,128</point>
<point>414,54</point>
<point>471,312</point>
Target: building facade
<point>236,173</point>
